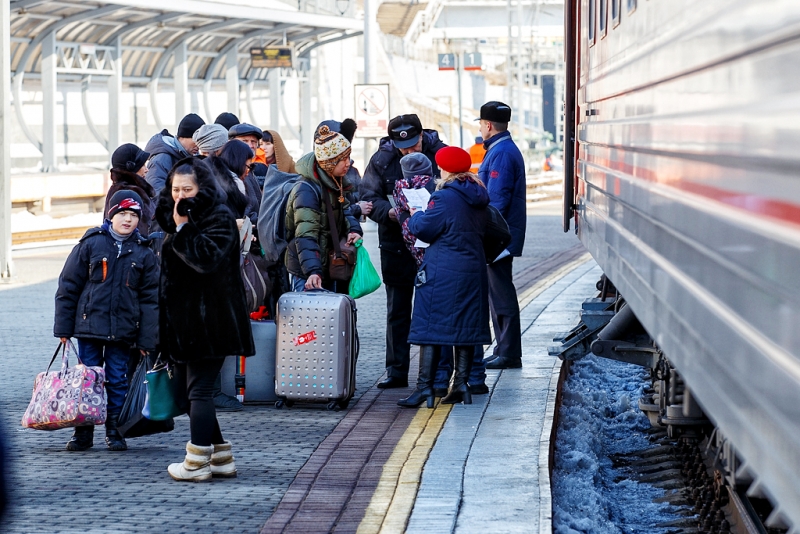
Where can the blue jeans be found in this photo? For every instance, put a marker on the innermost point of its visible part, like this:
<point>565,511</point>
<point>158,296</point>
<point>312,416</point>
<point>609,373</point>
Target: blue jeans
<point>113,356</point>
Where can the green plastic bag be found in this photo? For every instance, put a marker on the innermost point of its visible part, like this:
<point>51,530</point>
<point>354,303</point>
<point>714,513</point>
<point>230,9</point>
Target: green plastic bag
<point>365,278</point>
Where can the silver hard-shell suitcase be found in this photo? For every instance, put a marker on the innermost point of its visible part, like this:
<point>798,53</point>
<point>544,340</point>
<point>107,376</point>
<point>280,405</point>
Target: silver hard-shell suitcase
<point>258,380</point>
<point>316,349</point>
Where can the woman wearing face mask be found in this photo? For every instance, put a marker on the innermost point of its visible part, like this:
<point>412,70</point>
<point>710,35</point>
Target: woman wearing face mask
<point>203,315</point>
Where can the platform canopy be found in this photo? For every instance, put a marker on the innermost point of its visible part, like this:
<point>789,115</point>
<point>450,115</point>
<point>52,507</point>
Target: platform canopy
<point>144,42</point>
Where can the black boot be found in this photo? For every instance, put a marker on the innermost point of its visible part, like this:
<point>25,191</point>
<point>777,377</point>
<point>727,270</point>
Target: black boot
<point>114,440</point>
<point>459,389</point>
<point>222,401</point>
<point>428,361</point>
<point>82,439</point>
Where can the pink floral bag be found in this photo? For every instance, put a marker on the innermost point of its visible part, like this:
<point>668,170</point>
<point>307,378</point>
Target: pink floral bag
<point>73,396</point>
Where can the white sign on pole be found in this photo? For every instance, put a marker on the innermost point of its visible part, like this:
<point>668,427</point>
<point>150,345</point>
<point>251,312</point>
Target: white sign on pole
<point>372,109</point>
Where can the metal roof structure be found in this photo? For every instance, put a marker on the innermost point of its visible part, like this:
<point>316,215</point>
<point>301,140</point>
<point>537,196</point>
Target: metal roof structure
<point>144,42</point>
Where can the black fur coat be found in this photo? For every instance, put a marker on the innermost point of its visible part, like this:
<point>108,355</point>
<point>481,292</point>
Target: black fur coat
<point>201,298</point>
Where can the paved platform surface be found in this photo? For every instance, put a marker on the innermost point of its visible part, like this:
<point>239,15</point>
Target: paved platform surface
<point>131,492</point>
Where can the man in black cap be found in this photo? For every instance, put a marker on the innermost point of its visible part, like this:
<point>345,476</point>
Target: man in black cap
<point>227,119</point>
<point>503,172</point>
<point>166,150</point>
<point>398,267</point>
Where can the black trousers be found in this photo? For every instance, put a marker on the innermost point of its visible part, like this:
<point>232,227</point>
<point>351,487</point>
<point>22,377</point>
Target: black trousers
<point>505,309</point>
<point>199,377</point>
<point>399,303</point>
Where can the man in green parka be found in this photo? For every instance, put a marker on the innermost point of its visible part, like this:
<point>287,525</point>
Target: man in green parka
<point>307,227</point>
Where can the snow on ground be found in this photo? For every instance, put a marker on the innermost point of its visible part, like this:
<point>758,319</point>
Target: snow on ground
<point>599,417</point>
<point>25,221</point>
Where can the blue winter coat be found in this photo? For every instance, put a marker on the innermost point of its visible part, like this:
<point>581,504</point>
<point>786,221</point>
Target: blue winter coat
<point>118,303</point>
<point>451,307</point>
<point>503,172</point>
<point>165,151</point>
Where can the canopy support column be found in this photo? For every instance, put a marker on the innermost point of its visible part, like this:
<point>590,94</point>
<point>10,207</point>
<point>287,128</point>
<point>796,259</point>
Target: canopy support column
<point>6,267</point>
<point>232,81</point>
<point>181,80</point>
<point>306,132</point>
<point>274,77</point>
<point>49,88</point>
<point>114,99</point>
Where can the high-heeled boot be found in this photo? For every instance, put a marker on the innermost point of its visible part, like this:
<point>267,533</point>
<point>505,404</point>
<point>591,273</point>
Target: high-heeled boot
<point>459,389</point>
<point>428,361</point>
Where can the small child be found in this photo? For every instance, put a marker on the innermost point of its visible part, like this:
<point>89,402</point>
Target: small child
<point>108,298</point>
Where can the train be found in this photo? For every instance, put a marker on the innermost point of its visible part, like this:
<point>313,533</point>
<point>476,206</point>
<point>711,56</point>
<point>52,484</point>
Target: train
<point>682,179</point>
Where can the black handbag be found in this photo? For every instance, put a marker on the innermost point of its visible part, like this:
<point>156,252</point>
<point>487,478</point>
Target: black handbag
<point>132,424</point>
<point>497,236</point>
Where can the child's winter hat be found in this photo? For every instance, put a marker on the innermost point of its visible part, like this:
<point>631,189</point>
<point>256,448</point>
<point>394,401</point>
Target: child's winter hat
<point>453,159</point>
<point>124,200</point>
<point>330,148</point>
<point>415,164</point>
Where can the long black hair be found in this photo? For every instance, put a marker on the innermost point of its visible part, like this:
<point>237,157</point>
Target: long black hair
<point>232,158</point>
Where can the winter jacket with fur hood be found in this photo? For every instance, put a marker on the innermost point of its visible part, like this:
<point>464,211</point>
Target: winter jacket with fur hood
<point>108,293</point>
<point>307,227</point>
<point>203,310</point>
<point>131,181</point>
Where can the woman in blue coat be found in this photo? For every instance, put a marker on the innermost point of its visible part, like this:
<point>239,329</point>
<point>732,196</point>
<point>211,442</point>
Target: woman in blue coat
<point>451,305</point>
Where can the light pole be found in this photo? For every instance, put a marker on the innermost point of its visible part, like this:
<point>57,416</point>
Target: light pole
<point>6,269</point>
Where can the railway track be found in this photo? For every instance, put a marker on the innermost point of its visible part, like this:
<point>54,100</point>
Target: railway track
<point>51,234</point>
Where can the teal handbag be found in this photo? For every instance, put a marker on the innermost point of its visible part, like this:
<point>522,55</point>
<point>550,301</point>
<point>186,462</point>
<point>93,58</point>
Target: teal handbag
<point>162,393</point>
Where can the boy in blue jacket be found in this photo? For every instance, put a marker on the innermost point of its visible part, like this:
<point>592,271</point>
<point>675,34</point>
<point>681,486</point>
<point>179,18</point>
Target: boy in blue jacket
<point>108,299</point>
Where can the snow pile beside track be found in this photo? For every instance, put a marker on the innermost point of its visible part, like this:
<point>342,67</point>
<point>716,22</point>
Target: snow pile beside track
<point>600,418</point>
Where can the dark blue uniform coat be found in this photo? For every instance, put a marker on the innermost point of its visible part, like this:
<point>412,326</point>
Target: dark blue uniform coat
<point>503,172</point>
<point>118,303</point>
<point>452,306</point>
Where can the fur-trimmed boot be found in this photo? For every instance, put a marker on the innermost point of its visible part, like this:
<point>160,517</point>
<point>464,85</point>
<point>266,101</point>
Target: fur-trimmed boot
<point>222,464</point>
<point>196,467</point>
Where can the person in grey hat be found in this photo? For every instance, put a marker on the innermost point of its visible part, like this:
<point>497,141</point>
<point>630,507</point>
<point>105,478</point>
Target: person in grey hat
<point>210,138</point>
<point>416,164</point>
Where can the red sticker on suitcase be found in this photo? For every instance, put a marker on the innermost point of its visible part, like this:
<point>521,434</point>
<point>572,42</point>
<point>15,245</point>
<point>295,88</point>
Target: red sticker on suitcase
<point>308,337</point>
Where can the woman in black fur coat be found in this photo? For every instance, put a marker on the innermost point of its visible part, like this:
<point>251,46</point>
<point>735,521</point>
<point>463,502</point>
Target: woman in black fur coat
<point>203,315</point>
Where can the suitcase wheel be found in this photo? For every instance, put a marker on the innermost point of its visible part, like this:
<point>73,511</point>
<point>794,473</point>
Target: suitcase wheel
<point>280,403</point>
<point>343,404</point>
<point>332,405</point>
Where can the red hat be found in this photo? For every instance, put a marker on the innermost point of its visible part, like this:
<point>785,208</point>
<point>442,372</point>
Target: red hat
<point>453,159</point>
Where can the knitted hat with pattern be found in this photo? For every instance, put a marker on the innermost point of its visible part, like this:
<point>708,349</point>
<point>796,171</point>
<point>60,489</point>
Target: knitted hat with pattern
<point>330,148</point>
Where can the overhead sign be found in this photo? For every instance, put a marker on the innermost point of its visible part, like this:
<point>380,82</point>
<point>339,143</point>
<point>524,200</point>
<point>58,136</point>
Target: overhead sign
<point>473,61</point>
<point>271,57</point>
<point>447,62</point>
<point>372,110</point>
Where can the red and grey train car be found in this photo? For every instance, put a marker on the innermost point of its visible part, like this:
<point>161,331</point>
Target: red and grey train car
<point>682,142</point>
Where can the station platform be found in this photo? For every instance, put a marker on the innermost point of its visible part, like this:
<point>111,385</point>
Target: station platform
<point>375,467</point>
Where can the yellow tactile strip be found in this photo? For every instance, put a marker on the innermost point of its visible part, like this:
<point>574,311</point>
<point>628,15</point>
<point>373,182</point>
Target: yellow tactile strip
<point>393,500</point>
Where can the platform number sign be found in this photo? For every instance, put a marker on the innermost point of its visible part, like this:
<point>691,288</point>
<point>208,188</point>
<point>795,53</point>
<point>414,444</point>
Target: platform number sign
<point>447,62</point>
<point>473,61</point>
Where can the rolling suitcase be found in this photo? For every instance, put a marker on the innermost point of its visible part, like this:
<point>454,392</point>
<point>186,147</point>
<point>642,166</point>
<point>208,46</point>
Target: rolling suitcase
<point>252,379</point>
<point>316,349</point>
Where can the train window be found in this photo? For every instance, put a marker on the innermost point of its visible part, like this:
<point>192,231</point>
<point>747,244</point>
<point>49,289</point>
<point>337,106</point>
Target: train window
<point>591,22</point>
<point>616,12</point>
<point>602,22</point>
<point>631,6</point>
